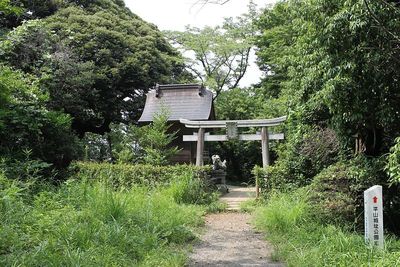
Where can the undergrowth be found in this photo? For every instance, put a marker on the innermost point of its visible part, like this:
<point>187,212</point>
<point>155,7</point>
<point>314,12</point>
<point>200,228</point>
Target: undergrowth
<point>301,240</point>
<point>92,223</point>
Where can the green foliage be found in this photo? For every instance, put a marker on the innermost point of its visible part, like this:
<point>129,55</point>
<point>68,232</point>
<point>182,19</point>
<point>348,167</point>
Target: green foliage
<point>26,124</point>
<point>7,8</point>
<point>321,148</point>
<point>96,147</point>
<point>289,222</point>
<point>146,144</point>
<point>26,169</point>
<point>189,189</point>
<point>337,192</point>
<point>333,64</point>
<point>393,164</point>
<point>247,103</point>
<point>221,54</point>
<point>127,175</point>
<point>238,104</point>
<point>284,211</point>
<point>250,206</point>
<point>92,60</point>
<point>334,67</point>
<point>243,104</point>
<point>82,224</point>
<point>306,152</point>
<point>96,61</point>
<point>155,141</point>
<point>125,215</point>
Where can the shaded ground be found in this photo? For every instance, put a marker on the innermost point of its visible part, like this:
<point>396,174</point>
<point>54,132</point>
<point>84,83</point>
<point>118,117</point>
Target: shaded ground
<point>230,240</point>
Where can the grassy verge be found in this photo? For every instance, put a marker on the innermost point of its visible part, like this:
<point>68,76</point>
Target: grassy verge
<point>300,240</point>
<point>82,223</point>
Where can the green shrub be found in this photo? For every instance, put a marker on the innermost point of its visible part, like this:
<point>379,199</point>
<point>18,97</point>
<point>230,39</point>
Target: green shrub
<point>393,164</point>
<point>306,152</point>
<point>127,175</point>
<point>337,192</point>
<point>155,140</point>
<point>27,168</point>
<point>320,147</point>
<point>273,178</point>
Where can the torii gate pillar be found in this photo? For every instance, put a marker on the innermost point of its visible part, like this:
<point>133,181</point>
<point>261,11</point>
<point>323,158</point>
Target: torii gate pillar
<point>200,147</point>
<point>265,147</point>
<point>265,154</point>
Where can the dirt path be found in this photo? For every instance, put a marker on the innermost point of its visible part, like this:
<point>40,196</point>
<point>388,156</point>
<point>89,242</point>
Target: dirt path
<point>230,240</point>
<point>237,195</point>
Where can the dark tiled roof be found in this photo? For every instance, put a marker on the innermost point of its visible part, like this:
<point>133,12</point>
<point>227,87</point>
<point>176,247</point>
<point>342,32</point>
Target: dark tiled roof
<point>183,101</point>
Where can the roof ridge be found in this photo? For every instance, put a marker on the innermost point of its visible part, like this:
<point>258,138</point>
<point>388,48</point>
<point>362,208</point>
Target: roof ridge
<point>178,86</point>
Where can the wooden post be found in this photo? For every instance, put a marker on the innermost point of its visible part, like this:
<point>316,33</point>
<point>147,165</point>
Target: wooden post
<point>265,154</point>
<point>200,147</point>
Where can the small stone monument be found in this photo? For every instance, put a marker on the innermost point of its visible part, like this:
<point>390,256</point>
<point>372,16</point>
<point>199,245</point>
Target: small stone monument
<point>217,163</point>
<point>373,213</point>
<point>218,174</point>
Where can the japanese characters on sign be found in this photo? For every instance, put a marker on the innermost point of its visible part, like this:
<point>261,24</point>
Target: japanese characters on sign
<point>373,213</point>
<point>231,130</point>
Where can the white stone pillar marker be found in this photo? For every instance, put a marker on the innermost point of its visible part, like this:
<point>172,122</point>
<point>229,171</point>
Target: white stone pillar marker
<point>373,214</point>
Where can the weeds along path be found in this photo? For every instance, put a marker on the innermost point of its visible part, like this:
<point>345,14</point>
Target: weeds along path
<point>230,240</point>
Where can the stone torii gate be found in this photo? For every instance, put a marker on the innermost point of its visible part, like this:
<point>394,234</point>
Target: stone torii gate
<point>233,134</point>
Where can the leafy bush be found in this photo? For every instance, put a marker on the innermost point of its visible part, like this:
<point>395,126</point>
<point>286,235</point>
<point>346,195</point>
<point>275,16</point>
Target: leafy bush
<point>128,175</point>
<point>271,178</point>
<point>26,123</point>
<point>300,240</point>
<point>321,148</point>
<point>306,152</point>
<point>25,169</point>
<point>292,169</point>
<point>337,192</point>
<point>393,164</point>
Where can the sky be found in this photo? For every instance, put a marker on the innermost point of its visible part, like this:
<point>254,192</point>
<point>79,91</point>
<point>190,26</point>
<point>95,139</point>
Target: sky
<point>176,14</point>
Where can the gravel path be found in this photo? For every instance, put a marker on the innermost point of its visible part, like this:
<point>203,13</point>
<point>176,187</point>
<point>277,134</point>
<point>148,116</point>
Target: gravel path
<point>237,195</point>
<point>230,240</point>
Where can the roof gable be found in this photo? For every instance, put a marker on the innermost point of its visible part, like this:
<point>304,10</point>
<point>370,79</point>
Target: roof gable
<point>183,101</point>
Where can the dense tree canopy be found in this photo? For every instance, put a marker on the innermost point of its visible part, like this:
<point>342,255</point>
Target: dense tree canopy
<point>339,61</point>
<point>335,65</point>
<point>72,67</point>
<point>95,58</point>
<point>28,127</point>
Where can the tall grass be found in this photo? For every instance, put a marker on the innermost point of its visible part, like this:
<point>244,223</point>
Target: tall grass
<point>83,223</point>
<point>300,240</point>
